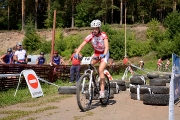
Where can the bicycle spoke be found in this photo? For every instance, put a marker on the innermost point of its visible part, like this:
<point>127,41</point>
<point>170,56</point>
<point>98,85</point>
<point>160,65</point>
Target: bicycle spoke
<point>84,97</point>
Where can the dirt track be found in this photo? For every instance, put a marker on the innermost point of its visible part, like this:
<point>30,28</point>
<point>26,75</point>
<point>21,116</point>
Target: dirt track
<point>119,108</point>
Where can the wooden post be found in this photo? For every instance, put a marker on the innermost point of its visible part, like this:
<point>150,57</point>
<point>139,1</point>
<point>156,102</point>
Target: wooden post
<point>125,29</point>
<point>53,35</point>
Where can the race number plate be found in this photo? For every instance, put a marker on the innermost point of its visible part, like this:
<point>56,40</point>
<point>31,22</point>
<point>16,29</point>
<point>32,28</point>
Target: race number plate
<point>86,60</point>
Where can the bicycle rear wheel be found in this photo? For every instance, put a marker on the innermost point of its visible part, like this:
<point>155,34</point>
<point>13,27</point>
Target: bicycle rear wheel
<point>105,100</point>
<point>83,93</point>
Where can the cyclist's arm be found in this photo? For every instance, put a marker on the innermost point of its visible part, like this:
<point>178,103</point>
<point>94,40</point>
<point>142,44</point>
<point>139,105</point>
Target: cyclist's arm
<point>81,46</point>
<point>106,46</point>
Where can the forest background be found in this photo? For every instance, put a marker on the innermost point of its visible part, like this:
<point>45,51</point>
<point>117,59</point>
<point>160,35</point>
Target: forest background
<point>162,18</point>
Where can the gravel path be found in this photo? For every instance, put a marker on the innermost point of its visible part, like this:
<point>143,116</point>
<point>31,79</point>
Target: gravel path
<point>119,108</point>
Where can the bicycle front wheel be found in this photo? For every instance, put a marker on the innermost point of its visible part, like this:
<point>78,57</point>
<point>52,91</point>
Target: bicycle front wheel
<point>105,100</point>
<point>84,93</point>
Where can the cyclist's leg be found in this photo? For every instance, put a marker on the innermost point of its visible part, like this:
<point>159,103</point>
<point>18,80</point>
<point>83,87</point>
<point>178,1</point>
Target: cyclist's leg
<point>102,66</point>
<point>101,74</point>
<point>158,67</point>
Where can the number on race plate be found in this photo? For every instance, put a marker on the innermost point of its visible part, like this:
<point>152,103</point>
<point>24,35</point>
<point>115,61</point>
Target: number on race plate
<point>86,60</point>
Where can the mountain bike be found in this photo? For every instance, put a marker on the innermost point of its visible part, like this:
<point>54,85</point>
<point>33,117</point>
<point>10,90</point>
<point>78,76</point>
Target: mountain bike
<point>88,85</point>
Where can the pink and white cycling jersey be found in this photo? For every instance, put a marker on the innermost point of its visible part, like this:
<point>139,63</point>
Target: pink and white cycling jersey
<point>97,42</point>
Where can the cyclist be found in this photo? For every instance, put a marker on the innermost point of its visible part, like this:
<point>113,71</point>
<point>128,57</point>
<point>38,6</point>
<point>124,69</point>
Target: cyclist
<point>41,59</point>
<point>20,56</point>
<point>167,64</point>
<point>8,57</point>
<point>159,63</point>
<point>99,42</point>
<point>141,63</point>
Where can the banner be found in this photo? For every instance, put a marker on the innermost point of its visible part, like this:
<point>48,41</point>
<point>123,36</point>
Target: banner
<point>176,74</point>
<point>174,85</point>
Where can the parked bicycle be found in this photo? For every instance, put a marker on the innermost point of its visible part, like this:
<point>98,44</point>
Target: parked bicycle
<point>88,85</point>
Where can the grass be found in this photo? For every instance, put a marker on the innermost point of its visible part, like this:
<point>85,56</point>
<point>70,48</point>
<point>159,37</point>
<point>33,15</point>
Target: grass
<point>15,114</point>
<point>23,94</point>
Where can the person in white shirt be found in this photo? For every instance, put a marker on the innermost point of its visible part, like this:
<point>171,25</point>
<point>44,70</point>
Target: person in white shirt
<point>20,56</point>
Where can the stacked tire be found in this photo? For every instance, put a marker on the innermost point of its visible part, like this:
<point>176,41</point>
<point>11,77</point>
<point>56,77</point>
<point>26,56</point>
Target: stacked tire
<point>138,87</point>
<point>117,85</point>
<point>159,91</point>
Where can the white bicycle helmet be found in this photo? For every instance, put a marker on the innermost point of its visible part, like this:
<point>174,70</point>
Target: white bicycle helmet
<point>96,23</point>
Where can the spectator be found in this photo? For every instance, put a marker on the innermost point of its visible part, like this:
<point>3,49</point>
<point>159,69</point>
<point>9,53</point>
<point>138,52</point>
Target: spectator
<point>41,59</point>
<point>8,57</point>
<point>167,64</point>
<point>75,68</point>
<point>57,60</point>
<point>141,63</point>
<point>20,55</point>
<point>159,63</point>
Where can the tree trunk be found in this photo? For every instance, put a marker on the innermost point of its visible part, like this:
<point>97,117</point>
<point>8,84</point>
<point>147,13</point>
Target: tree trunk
<point>36,6</point>
<point>72,20</point>
<point>121,12</point>
<point>112,11</point>
<point>23,15</point>
<point>8,14</point>
<point>48,7</point>
<point>174,5</point>
<point>142,19</point>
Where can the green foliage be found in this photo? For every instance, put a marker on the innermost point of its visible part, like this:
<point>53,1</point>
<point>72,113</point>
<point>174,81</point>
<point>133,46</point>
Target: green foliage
<point>153,27</point>
<point>32,40</point>
<point>136,48</point>
<point>59,15</point>
<point>72,42</point>
<point>165,49</point>
<point>60,43</point>
<point>172,22</point>
<point>85,13</point>
<point>176,44</point>
<point>45,46</point>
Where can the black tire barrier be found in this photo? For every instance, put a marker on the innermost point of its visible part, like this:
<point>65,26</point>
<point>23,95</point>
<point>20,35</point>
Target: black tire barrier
<point>142,89</point>
<point>159,89</point>
<point>166,76</point>
<point>134,96</point>
<point>67,90</point>
<point>152,75</point>
<point>157,82</point>
<point>115,90</point>
<point>156,99</point>
<point>168,80</point>
<point>150,89</point>
<point>111,94</point>
<point>119,82</point>
<point>136,80</point>
<point>122,88</point>
<point>112,85</point>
